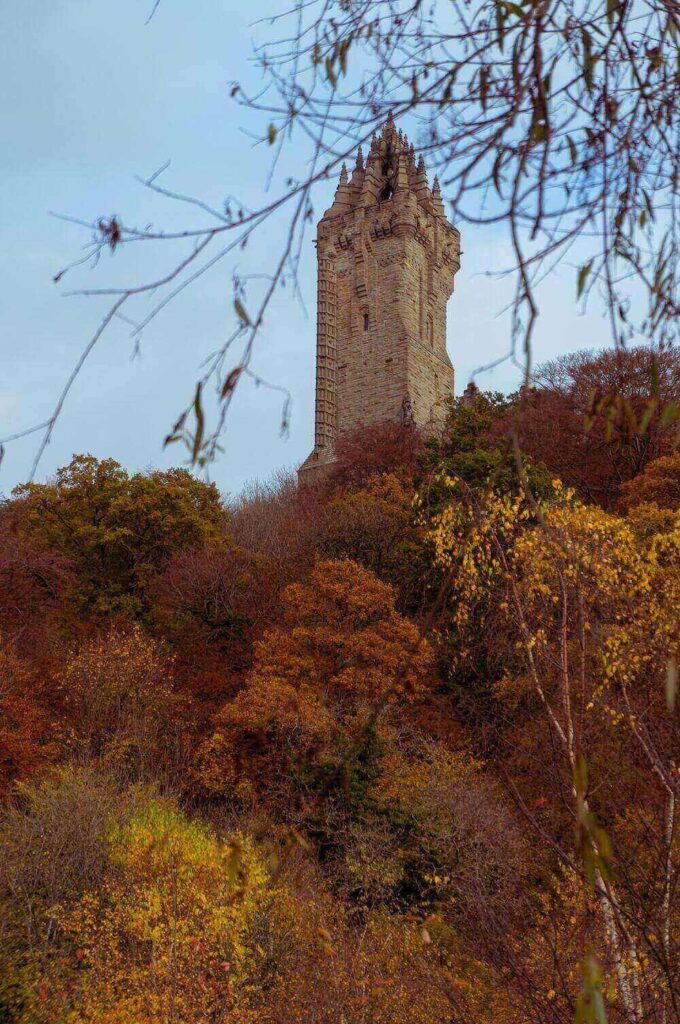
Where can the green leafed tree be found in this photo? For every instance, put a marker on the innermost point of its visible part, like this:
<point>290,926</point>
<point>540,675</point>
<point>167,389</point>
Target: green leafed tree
<point>117,529</point>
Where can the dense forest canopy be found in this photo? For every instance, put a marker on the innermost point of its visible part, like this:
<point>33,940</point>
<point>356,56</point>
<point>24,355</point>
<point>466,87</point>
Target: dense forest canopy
<point>399,747</point>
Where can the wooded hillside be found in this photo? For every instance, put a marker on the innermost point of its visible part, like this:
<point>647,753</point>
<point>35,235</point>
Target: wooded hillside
<point>399,748</point>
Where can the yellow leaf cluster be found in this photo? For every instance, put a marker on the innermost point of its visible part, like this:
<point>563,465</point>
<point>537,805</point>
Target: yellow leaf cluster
<point>167,938</point>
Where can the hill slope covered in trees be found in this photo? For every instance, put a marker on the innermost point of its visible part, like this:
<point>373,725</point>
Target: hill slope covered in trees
<point>402,747</point>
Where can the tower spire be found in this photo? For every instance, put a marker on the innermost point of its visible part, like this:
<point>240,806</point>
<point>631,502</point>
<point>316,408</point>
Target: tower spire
<point>402,173</point>
<point>389,169</point>
<point>422,188</point>
<point>437,202</point>
<point>343,195</point>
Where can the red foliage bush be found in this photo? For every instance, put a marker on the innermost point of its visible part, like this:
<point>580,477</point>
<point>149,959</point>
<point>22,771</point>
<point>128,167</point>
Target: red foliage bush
<point>370,450</point>
<point>26,729</point>
<point>210,604</point>
<point>34,583</point>
<point>584,418</point>
<point>278,520</point>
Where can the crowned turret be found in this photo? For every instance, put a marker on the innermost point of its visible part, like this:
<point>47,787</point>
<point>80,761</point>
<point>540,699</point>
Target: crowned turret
<point>390,172</point>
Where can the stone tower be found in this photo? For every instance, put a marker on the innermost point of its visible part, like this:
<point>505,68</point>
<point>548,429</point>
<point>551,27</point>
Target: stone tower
<point>387,257</point>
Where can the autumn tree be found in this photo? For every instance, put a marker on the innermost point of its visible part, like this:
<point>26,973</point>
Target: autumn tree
<point>596,420</point>
<point>116,530</point>
<point>658,484</point>
<point>53,849</point>
<point>586,612</point>
<point>166,936</point>
<point>132,912</point>
<point>391,970</point>
<point>467,446</point>
<point>279,521</point>
<point>438,836</point>
<point>340,658</point>
<point>375,526</point>
<point>120,701</point>
<point>473,447</point>
<point>35,582</point>
<point>210,604</point>
<point>29,733</point>
<point>373,449</point>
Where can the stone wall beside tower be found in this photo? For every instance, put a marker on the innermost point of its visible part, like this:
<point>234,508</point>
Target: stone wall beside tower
<point>387,257</point>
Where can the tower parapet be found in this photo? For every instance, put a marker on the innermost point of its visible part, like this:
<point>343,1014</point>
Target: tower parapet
<point>387,257</point>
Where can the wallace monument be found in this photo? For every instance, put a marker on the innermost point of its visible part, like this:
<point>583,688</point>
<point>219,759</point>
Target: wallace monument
<point>387,257</point>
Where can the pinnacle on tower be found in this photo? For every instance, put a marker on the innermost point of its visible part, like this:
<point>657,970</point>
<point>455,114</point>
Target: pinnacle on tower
<point>421,186</point>
<point>357,180</point>
<point>371,183</point>
<point>402,174</point>
<point>412,172</point>
<point>437,203</point>
<point>343,195</point>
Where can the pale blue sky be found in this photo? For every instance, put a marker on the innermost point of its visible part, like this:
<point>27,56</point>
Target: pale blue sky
<point>92,96</point>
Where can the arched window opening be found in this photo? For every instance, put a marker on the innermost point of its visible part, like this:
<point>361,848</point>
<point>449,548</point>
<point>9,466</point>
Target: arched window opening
<point>365,321</point>
<point>388,173</point>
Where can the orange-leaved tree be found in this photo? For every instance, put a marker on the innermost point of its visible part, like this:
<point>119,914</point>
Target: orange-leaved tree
<point>658,484</point>
<point>27,730</point>
<point>341,657</point>
<point>120,700</point>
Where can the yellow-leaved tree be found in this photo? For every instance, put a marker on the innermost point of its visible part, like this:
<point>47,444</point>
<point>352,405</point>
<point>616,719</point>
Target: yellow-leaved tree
<point>166,937</point>
<point>584,607</point>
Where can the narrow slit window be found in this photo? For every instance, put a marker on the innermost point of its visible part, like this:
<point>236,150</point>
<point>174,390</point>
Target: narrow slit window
<point>365,321</point>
